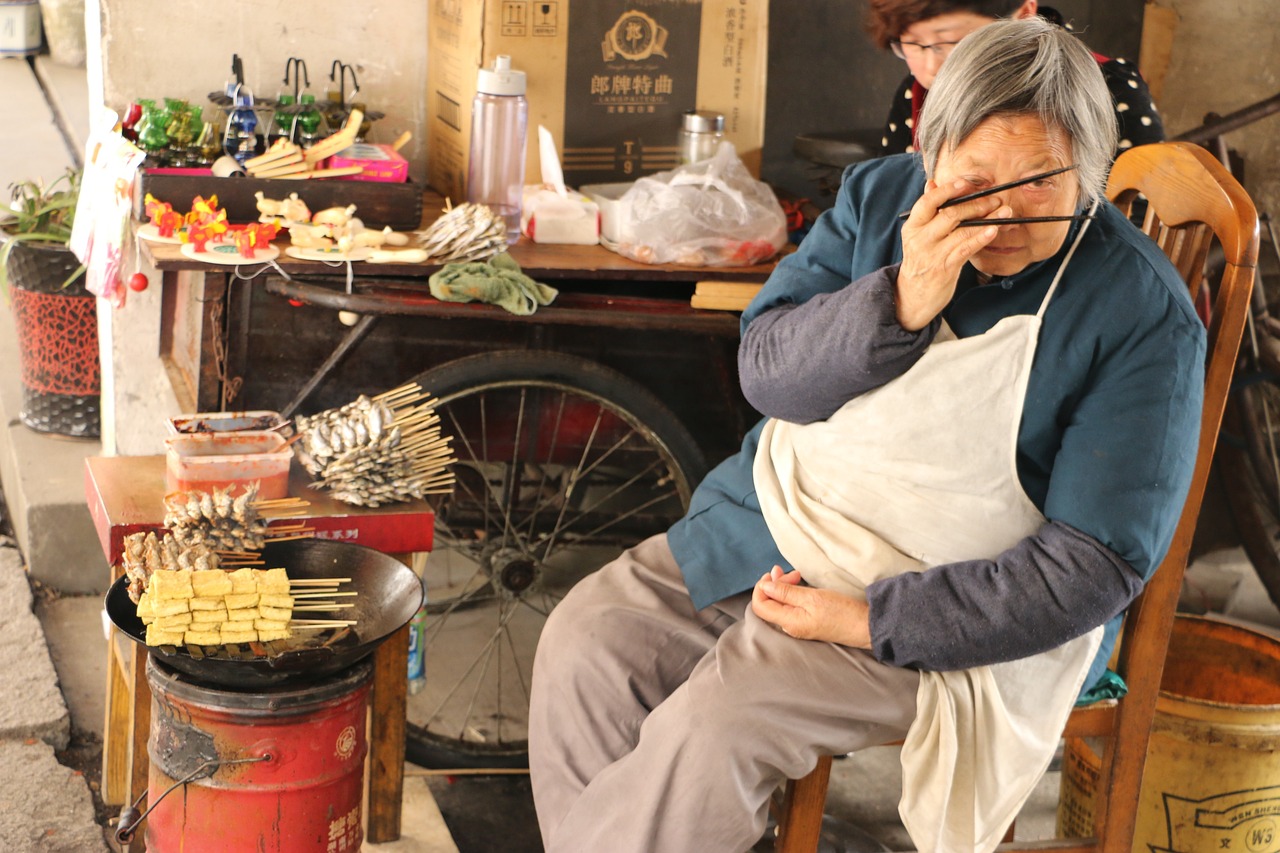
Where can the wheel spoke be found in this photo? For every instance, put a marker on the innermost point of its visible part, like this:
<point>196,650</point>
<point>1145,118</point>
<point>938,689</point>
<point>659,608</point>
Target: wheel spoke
<point>552,481</point>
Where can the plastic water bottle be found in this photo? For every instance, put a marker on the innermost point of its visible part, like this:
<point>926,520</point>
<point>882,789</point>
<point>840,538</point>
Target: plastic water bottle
<point>417,652</point>
<point>499,121</point>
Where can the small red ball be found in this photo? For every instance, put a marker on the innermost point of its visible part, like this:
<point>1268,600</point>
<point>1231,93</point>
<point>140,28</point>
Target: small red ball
<point>296,303</point>
<point>138,282</point>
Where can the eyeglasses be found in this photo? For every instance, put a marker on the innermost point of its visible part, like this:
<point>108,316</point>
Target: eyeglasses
<point>911,50</point>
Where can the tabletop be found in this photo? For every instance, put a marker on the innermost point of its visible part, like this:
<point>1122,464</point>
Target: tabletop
<point>541,261</point>
<point>125,495</point>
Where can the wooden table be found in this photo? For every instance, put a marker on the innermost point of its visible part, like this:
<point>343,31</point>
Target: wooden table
<point>209,315</point>
<point>125,495</point>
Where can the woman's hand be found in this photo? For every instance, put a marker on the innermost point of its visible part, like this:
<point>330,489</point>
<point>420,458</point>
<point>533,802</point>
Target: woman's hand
<point>807,613</point>
<point>934,250</point>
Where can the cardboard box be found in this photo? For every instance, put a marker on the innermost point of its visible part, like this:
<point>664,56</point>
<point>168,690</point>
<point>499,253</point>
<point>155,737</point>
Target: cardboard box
<point>608,78</point>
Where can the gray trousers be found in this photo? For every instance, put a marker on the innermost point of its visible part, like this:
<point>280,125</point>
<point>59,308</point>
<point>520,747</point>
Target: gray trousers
<point>658,729</point>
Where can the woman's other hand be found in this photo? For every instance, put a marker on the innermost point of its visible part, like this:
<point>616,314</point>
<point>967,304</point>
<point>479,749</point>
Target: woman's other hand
<point>934,250</point>
<point>808,613</point>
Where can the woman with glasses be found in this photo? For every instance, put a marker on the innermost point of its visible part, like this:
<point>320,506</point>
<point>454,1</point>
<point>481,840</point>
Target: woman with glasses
<point>922,33</point>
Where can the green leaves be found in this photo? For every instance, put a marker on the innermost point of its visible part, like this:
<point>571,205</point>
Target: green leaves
<point>39,214</point>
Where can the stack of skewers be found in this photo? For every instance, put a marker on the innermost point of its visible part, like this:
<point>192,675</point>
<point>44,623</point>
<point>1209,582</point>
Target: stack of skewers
<point>377,450</point>
<point>245,606</point>
<point>197,585</point>
<point>231,526</point>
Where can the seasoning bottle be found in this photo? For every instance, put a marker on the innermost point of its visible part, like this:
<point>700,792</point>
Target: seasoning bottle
<point>499,118</point>
<point>700,135</point>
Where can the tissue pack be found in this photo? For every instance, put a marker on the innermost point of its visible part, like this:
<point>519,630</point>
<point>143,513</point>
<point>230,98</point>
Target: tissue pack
<point>549,217</point>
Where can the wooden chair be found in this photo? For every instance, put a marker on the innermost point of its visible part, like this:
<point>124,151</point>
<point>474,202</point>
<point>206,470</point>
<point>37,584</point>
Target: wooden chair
<point>1192,199</point>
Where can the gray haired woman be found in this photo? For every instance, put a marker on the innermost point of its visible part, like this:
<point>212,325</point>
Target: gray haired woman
<point>982,389</point>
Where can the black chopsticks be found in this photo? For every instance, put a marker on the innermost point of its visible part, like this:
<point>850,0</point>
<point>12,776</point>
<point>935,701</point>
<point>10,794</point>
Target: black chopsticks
<point>1000,188</point>
<point>1014,220</point>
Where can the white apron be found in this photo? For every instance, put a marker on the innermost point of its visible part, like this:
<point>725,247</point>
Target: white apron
<point>917,473</point>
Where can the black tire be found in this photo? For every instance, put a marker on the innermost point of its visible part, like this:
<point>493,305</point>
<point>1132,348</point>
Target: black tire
<point>1249,444</point>
<point>562,464</point>
<point>1245,456</point>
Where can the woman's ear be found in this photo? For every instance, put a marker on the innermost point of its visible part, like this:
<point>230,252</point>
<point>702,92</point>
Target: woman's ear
<point>1028,9</point>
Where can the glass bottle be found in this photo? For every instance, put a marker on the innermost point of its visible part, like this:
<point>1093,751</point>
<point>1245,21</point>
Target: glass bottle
<point>499,118</point>
<point>310,122</point>
<point>700,135</point>
<point>284,120</point>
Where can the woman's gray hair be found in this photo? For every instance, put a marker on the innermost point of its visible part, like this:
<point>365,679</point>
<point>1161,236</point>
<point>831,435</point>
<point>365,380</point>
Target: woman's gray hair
<point>1024,67</point>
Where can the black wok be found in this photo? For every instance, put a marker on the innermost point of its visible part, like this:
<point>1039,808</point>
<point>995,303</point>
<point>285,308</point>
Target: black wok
<point>388,594</point>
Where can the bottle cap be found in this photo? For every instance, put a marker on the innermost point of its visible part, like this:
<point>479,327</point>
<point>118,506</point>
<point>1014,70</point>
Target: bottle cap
<point>501,79</point>
<point>702,121</point>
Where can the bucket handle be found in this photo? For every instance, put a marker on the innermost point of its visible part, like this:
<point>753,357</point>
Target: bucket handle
<point>127,823</point>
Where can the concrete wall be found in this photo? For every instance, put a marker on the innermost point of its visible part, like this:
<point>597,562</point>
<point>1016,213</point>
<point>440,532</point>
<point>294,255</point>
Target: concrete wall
<point>183,49</point>
<point>1225,55</point>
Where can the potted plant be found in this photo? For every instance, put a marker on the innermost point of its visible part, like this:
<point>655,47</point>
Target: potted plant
<point>56,316</point>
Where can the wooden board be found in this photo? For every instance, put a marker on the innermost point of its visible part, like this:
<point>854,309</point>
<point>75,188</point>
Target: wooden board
<point>724,295</point>
<point>378,204</point>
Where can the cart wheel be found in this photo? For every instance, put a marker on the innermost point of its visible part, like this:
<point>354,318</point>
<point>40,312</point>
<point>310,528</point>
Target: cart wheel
<point>1249,443</point>
<point>562,464</point>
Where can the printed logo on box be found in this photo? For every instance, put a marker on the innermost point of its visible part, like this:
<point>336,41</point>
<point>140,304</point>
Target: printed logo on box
<point>546,19</point>
<point>635,37</point>
<point>515,18</point>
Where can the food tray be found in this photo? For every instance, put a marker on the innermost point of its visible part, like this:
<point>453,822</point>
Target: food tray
<point>207,461</point>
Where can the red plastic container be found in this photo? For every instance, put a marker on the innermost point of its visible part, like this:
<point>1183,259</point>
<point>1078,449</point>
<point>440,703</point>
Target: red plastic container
<point>207,461</point>
<point>299,780</point>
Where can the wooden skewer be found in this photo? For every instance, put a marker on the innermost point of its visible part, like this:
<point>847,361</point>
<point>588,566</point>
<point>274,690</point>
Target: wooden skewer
<point>289,538</point>
<point>321,606</point>
<point>281,502</point>
<point>320,626</point>
<point>272,513</point>
<point>311,581</point>
<point>321,594</point>
<point>290,528</point>
<point>400,391</point>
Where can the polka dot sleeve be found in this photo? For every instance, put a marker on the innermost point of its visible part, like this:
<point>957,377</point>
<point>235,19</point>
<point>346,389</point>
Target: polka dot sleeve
<point>1136,113</point>
<point>897,136</point>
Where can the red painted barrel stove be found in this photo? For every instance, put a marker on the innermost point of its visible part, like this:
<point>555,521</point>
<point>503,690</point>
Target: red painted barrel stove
<point>266,753</point>
<point>280,769</point>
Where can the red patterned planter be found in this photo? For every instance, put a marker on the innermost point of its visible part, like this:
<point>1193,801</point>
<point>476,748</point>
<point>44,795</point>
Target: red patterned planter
<point>58,342</point>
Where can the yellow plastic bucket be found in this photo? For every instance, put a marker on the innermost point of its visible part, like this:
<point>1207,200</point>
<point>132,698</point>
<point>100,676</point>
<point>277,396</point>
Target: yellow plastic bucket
<point>1212,779</point>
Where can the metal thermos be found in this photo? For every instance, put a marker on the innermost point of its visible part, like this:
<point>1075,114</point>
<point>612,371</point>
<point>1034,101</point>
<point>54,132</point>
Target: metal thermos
<point>499,119</point>
<point>700,135</point>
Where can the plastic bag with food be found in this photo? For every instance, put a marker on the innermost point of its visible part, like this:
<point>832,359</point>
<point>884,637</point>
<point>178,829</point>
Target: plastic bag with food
<point>710,213</point>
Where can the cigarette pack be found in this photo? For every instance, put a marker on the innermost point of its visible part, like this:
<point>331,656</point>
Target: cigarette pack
<point>379,162</point>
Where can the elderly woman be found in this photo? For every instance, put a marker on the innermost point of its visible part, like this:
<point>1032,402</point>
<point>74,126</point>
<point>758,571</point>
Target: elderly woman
<point>982,420</point>
<point>923,33</point>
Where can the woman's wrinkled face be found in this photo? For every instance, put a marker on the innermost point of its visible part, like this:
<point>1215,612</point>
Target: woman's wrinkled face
<point>1003,149</point>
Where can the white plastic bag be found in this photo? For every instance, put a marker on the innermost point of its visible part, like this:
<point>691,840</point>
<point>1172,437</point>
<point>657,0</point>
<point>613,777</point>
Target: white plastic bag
<point>710,213</point>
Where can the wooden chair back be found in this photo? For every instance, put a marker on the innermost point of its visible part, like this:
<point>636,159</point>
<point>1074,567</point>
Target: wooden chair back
<point>1191,200</point>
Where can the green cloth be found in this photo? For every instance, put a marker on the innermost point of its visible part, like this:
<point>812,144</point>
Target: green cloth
<point>1109,686</point>
<point>497,281</point>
